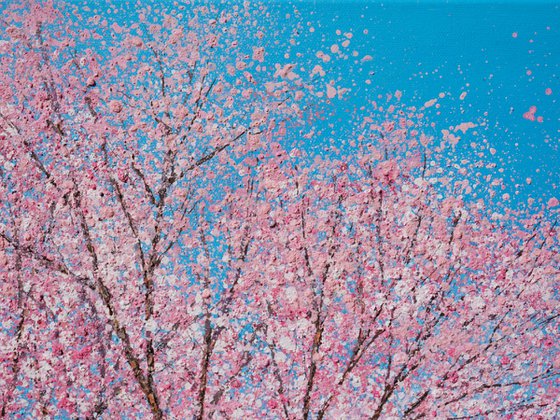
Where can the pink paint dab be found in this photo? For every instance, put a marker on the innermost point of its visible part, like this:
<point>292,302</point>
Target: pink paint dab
<point>530,115</point>
<point>548,91</point>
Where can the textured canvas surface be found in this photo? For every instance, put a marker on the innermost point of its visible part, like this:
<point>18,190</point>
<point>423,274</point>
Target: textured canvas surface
<point>287,210</point>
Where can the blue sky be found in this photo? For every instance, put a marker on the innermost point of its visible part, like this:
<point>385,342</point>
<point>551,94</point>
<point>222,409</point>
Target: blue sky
<point>504,56</point>
<point>429,48</point>
<point>451,47</point>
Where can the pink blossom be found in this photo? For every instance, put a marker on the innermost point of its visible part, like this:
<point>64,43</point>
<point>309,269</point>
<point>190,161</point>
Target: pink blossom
<point>115,106</point>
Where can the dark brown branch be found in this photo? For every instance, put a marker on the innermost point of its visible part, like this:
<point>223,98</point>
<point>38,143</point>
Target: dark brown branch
<point>210,155</point>
<point>317,340</point>
<point>145,383</point>
<point>47,262</point>
<point>277,374</point>
<point>207,353</point>
<point>363,343</point>
<point>142,177</point>
<point>416,403</point>
<point>16,357</point>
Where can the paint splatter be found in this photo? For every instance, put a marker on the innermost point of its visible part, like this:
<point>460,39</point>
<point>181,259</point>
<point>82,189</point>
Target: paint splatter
<point>430,103</point>
<point>530,115</point>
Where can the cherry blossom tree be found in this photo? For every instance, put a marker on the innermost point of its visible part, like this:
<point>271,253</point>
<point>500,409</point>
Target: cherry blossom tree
<point>165,251</point>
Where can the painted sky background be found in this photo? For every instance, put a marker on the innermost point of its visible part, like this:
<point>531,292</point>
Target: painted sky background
<point>503,55</point>
<point>485,62</point>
